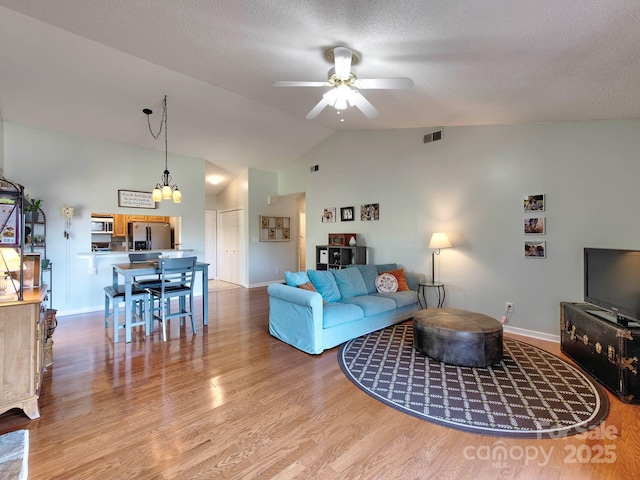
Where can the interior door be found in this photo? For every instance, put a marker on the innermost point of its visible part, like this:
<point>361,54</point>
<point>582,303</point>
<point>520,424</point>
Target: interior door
<point>230,233</point>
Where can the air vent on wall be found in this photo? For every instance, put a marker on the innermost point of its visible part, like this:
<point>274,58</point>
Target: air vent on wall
<point>314,168</point>
<point>433,136</point>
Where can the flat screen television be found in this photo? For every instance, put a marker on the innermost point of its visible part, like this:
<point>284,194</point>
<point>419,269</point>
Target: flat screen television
<point>612,281</point>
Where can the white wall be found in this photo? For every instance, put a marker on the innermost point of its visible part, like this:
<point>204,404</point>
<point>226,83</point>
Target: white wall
<point>471,184</point>
<point>86,174</point>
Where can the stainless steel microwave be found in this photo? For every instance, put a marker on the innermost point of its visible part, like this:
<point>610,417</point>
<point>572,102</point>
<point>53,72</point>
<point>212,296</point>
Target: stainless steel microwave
<point>101,225</point>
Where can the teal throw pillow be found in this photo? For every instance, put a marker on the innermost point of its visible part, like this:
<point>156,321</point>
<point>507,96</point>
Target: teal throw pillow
<point>350,282</point>
<point>369,274</point>
<point>293,279</point>
<point>325,284</point>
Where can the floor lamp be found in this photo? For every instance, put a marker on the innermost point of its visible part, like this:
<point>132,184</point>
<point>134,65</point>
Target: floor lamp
<point>438,240</point>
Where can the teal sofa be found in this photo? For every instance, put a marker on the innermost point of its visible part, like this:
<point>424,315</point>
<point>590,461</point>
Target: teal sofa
<point>345,306</point>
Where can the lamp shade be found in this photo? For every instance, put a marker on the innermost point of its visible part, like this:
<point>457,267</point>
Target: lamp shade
<point>439,240</point>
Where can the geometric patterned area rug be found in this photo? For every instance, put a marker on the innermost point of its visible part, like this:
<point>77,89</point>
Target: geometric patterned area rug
<point>529,394</point>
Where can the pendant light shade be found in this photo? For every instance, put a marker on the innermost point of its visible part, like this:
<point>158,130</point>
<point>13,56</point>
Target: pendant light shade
<point>164,190</point>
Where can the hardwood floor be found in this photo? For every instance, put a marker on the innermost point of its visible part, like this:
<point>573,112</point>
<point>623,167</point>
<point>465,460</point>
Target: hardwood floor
<point>234,402</point>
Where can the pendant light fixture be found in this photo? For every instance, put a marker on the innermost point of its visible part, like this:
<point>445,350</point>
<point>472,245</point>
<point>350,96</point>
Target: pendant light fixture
<point>164,190</point>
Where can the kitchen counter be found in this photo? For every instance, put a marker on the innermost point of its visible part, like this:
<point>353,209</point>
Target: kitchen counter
<point>119,256</point>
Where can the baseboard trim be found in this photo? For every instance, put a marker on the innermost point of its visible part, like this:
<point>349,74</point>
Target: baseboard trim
<point>532,333</point>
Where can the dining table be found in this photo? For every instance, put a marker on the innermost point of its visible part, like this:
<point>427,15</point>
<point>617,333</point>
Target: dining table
<point>128,271</point>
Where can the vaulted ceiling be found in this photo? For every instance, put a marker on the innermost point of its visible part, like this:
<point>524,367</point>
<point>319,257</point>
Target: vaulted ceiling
<point>88,67</point>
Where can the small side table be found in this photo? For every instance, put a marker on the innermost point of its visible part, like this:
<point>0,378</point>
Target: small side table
<point>440,293</point>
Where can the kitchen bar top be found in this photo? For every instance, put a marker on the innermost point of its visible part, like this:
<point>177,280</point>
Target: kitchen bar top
<point>112,253</point>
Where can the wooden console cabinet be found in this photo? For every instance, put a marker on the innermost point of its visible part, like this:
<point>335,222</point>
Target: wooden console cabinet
<point>22,348</point>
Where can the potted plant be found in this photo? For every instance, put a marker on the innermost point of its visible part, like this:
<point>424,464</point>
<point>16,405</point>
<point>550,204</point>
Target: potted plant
<point>31,206</point>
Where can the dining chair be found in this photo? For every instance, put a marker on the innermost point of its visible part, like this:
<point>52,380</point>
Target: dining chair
<point>140,314</point>
<point>144,257</point>
<point>177,275</point>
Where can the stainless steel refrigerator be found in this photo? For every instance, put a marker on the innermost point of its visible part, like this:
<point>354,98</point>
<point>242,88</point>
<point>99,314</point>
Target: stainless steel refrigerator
<point>150,236</point>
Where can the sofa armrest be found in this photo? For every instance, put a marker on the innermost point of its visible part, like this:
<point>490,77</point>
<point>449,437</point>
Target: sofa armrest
<point>295,317</point>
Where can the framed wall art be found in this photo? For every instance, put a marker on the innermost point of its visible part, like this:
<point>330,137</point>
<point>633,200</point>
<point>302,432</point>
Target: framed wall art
<point>134,199</point>
<point>369,212</point>
<point>535,249</point>
<point>329,215</point>
<point>275,229</point>
<point>346,214</point>
<point>534,203</point>
<point>534,225</point>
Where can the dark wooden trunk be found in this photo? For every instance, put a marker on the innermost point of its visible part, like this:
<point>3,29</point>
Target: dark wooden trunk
<point>603,347</point>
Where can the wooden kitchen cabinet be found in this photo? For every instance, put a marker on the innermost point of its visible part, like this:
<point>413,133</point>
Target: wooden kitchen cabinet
<point>157,219</point>
<point>22,352</point>
<point>136,218</point>
<point>119,225</point>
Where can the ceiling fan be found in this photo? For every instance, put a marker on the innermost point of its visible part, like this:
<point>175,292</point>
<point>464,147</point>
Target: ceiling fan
<point>345,85</point>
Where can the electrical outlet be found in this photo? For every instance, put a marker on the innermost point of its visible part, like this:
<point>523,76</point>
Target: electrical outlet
<point>509,307</point>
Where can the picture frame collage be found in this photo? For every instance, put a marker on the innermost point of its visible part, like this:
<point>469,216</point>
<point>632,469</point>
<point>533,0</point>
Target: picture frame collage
<point>534,225</point>
<point>368,213</point>
<point>275,229</point>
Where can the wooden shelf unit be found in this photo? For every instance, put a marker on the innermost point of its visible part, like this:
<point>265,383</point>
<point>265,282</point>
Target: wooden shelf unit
<point>330,257</point>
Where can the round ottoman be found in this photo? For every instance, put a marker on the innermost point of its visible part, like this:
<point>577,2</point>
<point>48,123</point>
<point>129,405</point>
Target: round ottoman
<point>458,337</point>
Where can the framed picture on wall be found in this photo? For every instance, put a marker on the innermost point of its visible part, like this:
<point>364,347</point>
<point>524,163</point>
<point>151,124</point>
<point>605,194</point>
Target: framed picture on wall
<point>369,212</point>
<point>534,203</point>
<point>535,249</point>
<point>329,215</point>
<point>534,225</point>
<point>346,214</point>
<point>275,229</point>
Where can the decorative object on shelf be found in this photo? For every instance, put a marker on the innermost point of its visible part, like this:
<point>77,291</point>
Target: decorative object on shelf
<point>352,241</point>
<point>534,225</point>
<point>164,190</point>
<point>329,215</point>
<point>438,240</point>
<point>275,229</point>
<point>535,249</point>
<point>135,199</point>
<point>346,214</point>
<point>369,212</point>
<point>31,208</point>
<point>534,203</point>
<point>67,214</point>
<point>341,239</point>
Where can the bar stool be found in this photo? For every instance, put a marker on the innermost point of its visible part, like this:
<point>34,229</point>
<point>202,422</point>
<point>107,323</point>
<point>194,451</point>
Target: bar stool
<point>140,313</point>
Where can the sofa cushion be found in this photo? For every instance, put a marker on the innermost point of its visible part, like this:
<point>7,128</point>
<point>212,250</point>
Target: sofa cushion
<point>350,282</point>
<point>293,279</point>
<point>402,299</point>
<point>325,283</point>
<point>369,274</point>
<point>372,304</point>
<point>400,277</point>
<point>337,313</point>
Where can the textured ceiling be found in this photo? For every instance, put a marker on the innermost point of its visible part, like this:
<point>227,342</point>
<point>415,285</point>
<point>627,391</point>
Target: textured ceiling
<point>88,67</point>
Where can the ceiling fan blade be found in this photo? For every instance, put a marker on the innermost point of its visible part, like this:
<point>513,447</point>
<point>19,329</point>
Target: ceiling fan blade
<point>299,84</point>
<point>385,83</point>
<point>317,109</point>
<point>364,105</point>
<point>342,58</point>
